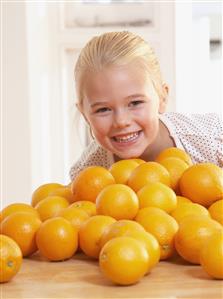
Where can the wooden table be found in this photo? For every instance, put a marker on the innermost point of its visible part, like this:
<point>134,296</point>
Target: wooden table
<point>80,277</point>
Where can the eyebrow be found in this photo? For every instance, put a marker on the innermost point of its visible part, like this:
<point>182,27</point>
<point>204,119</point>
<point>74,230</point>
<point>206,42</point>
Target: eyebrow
<point>101,103</point>
<point>98,104</point>
<point>136,95</point>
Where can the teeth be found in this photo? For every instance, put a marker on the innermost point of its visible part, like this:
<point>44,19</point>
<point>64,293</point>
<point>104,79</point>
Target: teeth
<point>127,138</point>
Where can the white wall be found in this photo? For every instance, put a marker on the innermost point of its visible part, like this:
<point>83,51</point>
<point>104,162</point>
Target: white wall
<point>38,140</point>
<point>15,164</point>
<point>198,77</point>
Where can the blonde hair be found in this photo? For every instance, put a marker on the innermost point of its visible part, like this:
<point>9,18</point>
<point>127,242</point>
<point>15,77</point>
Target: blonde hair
<point>116,48</point>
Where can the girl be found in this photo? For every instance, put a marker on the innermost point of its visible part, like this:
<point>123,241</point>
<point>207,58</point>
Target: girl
<point>123,98</point>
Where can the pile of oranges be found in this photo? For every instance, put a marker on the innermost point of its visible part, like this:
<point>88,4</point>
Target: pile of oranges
<point>129,217</point>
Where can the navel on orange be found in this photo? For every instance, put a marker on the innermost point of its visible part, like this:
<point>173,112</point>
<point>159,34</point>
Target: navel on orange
<point>10,258</point>
<point>124,260</point>
<point>128,228</point>
<point>91,232</point>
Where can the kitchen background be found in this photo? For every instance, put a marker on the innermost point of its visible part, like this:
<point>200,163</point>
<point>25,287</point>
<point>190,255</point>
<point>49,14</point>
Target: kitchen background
<point>41,132</point>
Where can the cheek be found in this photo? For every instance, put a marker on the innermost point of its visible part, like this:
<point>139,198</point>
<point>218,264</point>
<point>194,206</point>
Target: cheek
<point>100,126</point>
<point>149,120</point>
<point>147,116</point>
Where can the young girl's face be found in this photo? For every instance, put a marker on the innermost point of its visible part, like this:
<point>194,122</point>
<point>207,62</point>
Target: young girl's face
<point>121,106</point>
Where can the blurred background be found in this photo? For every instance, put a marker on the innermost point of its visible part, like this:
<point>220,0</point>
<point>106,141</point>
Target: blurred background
<point>41,133</point>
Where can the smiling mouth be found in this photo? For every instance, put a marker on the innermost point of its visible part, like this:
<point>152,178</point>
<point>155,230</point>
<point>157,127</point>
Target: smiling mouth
<point>127,137</point>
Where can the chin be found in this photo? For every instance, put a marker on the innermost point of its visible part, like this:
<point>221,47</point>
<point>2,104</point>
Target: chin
<point>132,155</point>
<point>127,153</point>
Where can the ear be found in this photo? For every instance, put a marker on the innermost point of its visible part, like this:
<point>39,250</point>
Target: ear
<point>78,106</point>
<point>164,98</point>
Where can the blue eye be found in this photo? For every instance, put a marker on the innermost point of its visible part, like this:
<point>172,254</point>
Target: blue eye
<point>101,110</point>
<point>136,103</point>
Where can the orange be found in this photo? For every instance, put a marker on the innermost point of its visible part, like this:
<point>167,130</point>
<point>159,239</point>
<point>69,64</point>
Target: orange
<point>57,239</point>
<point>22,228</point>
<point>43,191</point>
<point>88,206</point>
<point>150,243</point>
<point>148,172</point>
<point>176,168</point>
<point>176,153</point>
<point>50,206</point>
<point>17,207</point>
<point>186,209</point>
<point>162,226</point>
<point>75,216</point>
<point>202,183</point>
<point>139,161</point>
<point>157,195</point>
<point>122,169</point>
<point>10,258</point>
<point>118,201</point>
<point>90,234</point>
<point>182,199</point>
<point>211,255</point>
<point>129,228</point>
<point>216,211</point>
<point>64,192</point>
<point>124,260</point>
<point>118,229</point>
<point>193,234</point>
<point>90,181</point>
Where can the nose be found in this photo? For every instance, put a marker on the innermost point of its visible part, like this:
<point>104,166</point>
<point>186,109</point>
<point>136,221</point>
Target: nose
<point>122,119</point>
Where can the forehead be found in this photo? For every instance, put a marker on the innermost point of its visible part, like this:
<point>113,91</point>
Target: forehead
<point>115,81</point>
